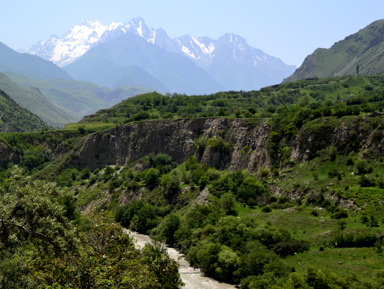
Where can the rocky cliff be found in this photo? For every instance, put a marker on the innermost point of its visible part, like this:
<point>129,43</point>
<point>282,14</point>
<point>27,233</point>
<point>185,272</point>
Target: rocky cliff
<point>233,144</point>
<point>223,143</point>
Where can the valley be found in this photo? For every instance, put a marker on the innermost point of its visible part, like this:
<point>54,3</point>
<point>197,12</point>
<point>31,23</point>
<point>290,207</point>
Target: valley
<point>280,186</point>
<point>146,161</point>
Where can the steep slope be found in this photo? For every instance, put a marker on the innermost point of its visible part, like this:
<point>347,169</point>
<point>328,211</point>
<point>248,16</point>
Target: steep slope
<point>28,65</point>
<point>119,56</point>
<point>360,53</point>
<point>33,100</point>
<point>14,118</point>
<point>76,97</point>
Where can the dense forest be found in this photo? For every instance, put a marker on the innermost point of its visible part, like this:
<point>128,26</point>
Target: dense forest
<point>310,221</point>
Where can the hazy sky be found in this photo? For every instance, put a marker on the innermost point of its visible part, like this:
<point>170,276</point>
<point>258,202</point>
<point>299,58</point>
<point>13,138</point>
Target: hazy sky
<point>289,29</point>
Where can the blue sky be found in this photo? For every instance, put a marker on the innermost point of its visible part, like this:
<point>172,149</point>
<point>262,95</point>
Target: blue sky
<point>289,29</point>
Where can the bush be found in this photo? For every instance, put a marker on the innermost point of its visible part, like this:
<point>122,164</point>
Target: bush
<point>219,145</point>
<point>335,173</point>
<point>33,158</point>
<point>290,247</point>
<point>151,177</point>
<point>314,213</point>
<point>266,209</point>
<point>332,153</point>
<point>355,239</point>
<point>85,174</point>
<point>250,189</point>
<point>349,161</point>
<point>366,182</point>
<point>339,214</point>
<point>362,167</point>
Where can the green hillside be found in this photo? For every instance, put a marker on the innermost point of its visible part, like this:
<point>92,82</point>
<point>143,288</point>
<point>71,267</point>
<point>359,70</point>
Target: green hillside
<point>306,214</point>
<point>28,65</point>
<point>16,118</point>
<point>77,98</point>
<point>361,53</point>
<point>33,100</point>
<point>335,94</point>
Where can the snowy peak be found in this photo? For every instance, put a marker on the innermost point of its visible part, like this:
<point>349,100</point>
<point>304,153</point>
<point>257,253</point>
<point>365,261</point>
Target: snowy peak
<point>142,29</point>
<point>198,49</point>
<point>73,44</point>
<point>203,50</point>
<point>87,34</point>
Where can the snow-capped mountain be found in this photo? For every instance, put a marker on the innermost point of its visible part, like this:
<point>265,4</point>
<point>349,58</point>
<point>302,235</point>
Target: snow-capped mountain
<point>72,45</point>
<point>79,39</point>
<point>229,60</point>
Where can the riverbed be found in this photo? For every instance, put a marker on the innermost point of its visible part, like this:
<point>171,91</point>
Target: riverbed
<point>193,278</point>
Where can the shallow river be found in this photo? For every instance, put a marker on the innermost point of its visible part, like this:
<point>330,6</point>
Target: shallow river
<point>193,278</point>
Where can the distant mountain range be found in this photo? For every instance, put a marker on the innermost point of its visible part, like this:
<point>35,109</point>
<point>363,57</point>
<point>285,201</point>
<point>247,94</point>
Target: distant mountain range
<point>46,90</point>
<point>136,54</point>
<point>360,53</point>
<point>28,65</point>
<point>103,65</point>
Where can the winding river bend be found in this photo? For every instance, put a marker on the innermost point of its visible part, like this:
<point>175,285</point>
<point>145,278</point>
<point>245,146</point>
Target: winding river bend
<point>193,278</point>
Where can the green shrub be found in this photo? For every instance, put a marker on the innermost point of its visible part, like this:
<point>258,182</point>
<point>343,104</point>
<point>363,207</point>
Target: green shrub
<point>339,213</point>
<point>362,167</point>
<point>314,213</point>
<point>355,239</point>
<point>366,181</point>
<point>266,209</point>
<point>85,174</point>
<point>290,247</point>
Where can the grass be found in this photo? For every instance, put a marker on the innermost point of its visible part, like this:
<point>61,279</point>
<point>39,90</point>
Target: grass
<point>90,127</point>
<point>363,262</point>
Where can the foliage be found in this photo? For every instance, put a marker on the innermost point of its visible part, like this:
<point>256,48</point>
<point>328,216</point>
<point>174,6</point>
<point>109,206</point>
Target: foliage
<point>42,248</point>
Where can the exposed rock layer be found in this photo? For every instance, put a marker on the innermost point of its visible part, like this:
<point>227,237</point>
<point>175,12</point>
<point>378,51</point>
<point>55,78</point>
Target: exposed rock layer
<point>176,138</point>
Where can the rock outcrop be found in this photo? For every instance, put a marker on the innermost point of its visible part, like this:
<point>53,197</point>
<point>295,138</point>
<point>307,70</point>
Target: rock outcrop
<point>233,144</point>
<point>245,149</point>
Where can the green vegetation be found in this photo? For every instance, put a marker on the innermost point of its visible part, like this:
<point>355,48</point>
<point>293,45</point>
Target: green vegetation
<point>302,100</point>
<point>358,54</point>
<point>79,98</point>
<point>34,101</point>
<point>46,244</point>
<point>16,118</point>
<point>314,221</point>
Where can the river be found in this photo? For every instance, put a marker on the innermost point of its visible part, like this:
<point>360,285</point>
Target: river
<point>193,278</point>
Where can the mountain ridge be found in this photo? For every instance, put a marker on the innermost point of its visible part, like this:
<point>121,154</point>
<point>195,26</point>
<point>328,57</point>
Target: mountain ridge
<point>32,99</point>
<point>257,69</point>
<point>359,53</point>
<point>14,118</point>
<point>28,65</point>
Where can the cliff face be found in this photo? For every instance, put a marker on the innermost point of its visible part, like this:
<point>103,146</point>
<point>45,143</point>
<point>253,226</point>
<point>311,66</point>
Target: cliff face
<point>233,144</point>
<point>244,144</point>
<point>361,135</point>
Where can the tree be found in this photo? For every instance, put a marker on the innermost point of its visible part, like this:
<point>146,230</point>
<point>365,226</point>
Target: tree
<point>30,215</point>
<point>171,224</point>
<point>227,202</point>
<point>41,248</point>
